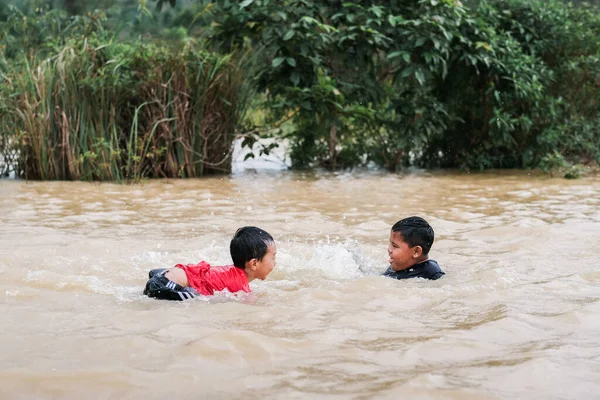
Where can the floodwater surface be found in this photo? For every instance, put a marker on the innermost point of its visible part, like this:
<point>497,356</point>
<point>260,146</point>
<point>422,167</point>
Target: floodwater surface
<point>517,315</point>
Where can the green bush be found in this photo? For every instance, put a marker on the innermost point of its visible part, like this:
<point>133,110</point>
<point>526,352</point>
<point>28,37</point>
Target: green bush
<point>433,83</point>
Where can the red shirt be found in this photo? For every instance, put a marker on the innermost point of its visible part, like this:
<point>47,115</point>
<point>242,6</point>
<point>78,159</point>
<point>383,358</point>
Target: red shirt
<point>207,280</point>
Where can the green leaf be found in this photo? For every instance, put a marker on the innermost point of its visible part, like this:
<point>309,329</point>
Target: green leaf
<point>289,35</point>
<point>291,61</point>
<point>405,55</point>
<point>420,77</point>
<point>304,49</point>
<point>395,19</point>
<point>395,54</point>
<point>245,3</point>
<point>277,62</point>
<point>484,45</point>
<point>295,78</point>
<point>377,10</point>
<point>408,71</point>
<point>419,42</point>
<point>497,96</point>
<point>281,15</point>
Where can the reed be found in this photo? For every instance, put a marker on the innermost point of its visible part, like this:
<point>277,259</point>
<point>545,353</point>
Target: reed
<point>104,110</point>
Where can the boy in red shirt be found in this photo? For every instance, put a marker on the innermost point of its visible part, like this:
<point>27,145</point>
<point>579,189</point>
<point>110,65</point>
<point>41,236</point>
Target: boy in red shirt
<point>253,252</point>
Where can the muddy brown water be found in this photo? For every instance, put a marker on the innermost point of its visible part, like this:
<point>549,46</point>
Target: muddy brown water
<point>516,316</point>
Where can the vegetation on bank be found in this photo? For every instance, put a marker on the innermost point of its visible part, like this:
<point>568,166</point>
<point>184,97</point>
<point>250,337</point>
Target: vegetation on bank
<point>145,89</point>
<point>79,104</point>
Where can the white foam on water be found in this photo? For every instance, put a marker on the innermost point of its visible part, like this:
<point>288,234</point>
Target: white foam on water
<point>331,261</point>
<point>334,260</point>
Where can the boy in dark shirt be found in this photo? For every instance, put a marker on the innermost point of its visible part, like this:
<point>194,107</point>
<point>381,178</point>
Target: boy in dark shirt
<point>410,242</point>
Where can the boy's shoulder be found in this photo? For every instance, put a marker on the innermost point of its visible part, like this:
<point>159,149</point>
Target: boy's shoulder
<point>429,269</point>
<point>432,269</point>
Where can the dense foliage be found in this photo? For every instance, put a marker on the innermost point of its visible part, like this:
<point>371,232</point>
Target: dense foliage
<point>77,103</point>
<point>431,83</point>
<point>428,83</point>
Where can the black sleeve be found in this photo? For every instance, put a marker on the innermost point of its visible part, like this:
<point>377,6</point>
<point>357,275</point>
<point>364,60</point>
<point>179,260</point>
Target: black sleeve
<point>436,275</point>
<point>433,271</point>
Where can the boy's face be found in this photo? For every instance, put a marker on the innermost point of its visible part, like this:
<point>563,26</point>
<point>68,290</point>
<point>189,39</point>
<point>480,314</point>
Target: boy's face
<point>268,262</point>
<point>401,255</point>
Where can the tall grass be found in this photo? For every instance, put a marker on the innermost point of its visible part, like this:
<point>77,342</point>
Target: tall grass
<point>124,111</point>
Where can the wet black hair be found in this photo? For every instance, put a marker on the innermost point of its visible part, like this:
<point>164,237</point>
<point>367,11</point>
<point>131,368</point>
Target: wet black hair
<point>249,242</point>
<point>415,231</point>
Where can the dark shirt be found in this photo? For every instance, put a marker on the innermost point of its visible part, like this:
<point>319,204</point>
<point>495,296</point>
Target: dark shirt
<point>427,269</point>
